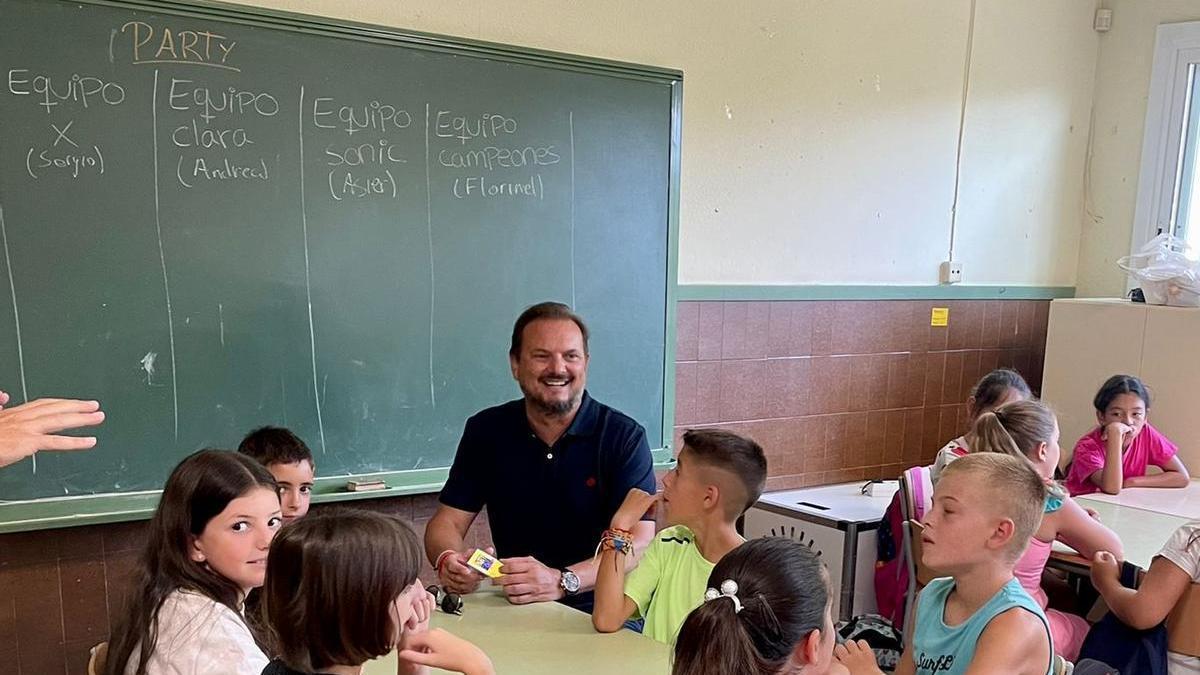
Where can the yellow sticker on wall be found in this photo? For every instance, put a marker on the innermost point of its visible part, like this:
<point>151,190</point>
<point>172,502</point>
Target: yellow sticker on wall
<point>940,316</point>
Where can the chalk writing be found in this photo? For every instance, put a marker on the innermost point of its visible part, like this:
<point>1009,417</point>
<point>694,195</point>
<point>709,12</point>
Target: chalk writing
<point>373,116</point>
<point>231,101</point>
<point>166,45</point>
<point>78,89</point>
<point>467,128</point>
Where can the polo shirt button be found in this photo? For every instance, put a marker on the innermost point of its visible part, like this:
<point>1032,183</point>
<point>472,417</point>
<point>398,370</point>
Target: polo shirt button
<point>549,455</point>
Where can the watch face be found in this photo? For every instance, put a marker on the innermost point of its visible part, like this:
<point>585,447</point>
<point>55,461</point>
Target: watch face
<point>570,582</point>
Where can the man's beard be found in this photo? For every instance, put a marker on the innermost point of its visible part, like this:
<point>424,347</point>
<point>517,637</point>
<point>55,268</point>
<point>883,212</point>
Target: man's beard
<point>556,408</point>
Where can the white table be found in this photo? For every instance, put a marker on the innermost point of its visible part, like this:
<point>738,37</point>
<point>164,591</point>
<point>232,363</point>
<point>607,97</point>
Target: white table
<point>542,639</point>
<point>1142,532</point>
<point>837,521</point>
<point>1181,502</point>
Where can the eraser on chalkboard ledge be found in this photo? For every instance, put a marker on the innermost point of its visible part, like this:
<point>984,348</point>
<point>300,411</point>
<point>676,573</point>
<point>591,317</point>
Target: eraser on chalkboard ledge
<point>365,485</point>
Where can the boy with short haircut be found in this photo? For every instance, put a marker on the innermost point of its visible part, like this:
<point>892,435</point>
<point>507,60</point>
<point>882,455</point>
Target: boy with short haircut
<point>291,463</point>
<point>717,476</point>
<point>977,620</point>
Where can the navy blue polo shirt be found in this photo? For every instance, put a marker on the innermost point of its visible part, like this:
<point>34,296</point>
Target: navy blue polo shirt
<point>549,502</point>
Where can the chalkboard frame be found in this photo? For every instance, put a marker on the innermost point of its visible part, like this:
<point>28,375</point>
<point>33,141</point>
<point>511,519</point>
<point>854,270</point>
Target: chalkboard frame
<point>59,512</point>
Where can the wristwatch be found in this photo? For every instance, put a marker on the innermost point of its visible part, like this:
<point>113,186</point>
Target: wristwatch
<point>569,582</point>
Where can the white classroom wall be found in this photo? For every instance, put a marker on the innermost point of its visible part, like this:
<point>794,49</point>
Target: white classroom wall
<point>1122,88</point>
<point>820,137</point>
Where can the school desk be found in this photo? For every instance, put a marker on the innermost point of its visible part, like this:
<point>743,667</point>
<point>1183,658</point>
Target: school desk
<point>542,639</point>
<point>1142,534</point>
<point>840,523</point>
<point>1182,502</point>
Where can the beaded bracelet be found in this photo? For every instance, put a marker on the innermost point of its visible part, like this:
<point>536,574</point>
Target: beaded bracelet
<point>620,541</point>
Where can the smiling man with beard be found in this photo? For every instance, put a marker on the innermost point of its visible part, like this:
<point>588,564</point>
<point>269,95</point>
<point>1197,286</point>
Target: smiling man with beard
<point>552,468</point>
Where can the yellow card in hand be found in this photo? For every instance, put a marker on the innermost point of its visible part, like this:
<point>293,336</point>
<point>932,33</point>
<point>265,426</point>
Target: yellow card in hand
<point>485,564</point>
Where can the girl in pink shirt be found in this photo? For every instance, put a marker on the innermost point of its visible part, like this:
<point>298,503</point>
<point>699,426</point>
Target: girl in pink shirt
<point>1116,453</point>
<point>1028,429</point>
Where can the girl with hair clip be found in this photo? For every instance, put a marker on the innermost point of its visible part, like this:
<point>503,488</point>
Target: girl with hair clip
<point>993,390</point>
<point>1029,430</point>
<point>342,589</point>
<point>766,612</point>
<point>206,548</point>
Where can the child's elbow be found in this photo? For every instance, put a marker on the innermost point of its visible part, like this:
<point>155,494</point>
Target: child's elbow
<point>605,624</point>
<point>1110,489</point>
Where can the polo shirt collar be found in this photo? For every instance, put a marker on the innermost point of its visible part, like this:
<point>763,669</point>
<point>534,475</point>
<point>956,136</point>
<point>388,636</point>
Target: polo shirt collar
<point>585,420</point>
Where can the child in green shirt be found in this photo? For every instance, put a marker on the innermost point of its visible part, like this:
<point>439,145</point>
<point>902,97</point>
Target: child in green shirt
<point>717,476</point>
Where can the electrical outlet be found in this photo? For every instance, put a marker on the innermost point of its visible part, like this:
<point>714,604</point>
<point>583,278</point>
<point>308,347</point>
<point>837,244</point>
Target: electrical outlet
<point>951,272</point>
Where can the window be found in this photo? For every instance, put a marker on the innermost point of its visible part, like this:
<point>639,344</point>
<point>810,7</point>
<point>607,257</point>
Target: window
<point>1169,183</point>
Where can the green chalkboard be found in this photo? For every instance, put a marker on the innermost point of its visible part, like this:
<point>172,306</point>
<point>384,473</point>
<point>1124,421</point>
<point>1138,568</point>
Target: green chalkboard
<point>217,218</point>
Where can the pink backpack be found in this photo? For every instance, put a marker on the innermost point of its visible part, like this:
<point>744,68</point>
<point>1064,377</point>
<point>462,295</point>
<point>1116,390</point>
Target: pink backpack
<point>910,502</point>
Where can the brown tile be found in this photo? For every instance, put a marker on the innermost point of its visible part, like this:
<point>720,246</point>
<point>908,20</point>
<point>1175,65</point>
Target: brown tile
<point>992,324</point>
<point>1026,323</point>
<point>708,392</point>
<point>423,506</point>
<point>687,331</point>
<point>78,654</point>
<point>831,384</point>
<point>742,390</point>
<point>789,385</point>
<point>39,619</point>
<point>967,331</point>
<point>1041,322</point>
<point>23,548</point>
<point>989,360</point>
<point>1010,312</point>
<point>8,610</point>
<point>813,443</point>
<point>80,542</point>
<point>952,378</point>
<point>931,434</point>
<point>1021,361</point>
<point>857,327</point>
<point>970,374</point>
<point>1037,365</point>
<point>845,475</point>
<point>792,482</point>
<point>893,471</point>
<point>918,326</point>
<point>856,439</point>
<point>897,320</point>
<point>744,333</point>
<point>821,315</point>
<point>914,434</point>
<point>835,442</point>
<point>914,396</point>
<point>789,331</point>
<point>685,392</point>
<point>935,374</point>
<point>869,382</point>
<point>897,380</point>
<point>948,428</point>
<point>791,435</point>
<point>118,568</point>
<point>85,607</point>
<point>876,441</point>
<point>893,437</point>
<point>124,536</point>
<point>710,328</point>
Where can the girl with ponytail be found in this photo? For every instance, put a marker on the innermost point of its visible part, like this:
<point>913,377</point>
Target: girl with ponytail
<point>766,612</point>
<point>1028,429</point>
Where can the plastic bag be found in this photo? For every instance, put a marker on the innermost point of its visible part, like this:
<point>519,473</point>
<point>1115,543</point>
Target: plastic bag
<point>1166,272</point>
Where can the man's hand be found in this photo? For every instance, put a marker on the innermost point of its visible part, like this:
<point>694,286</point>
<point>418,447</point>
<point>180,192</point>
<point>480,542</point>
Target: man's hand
<point>33,426</point>
<point>455,576</point>
<point>637,503</point>
<point>525,580</point>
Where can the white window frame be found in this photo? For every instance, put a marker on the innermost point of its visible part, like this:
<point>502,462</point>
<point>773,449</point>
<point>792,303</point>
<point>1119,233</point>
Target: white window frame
<point>1176,46</point>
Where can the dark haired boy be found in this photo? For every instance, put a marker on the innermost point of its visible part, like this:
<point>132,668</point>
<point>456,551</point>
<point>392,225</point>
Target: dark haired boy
<point>717,477</point>
<point>291,463</point>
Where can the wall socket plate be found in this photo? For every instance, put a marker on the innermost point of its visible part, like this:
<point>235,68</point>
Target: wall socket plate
<point>951,272</point>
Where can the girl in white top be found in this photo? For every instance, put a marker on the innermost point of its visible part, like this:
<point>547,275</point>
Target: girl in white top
<point>993,390</point>
<point>207,547</point>
<point>1175,567</point>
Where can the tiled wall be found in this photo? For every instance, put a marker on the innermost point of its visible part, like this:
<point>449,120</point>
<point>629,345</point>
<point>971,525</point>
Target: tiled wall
<point>838,391</point>
<point>834,391</point>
